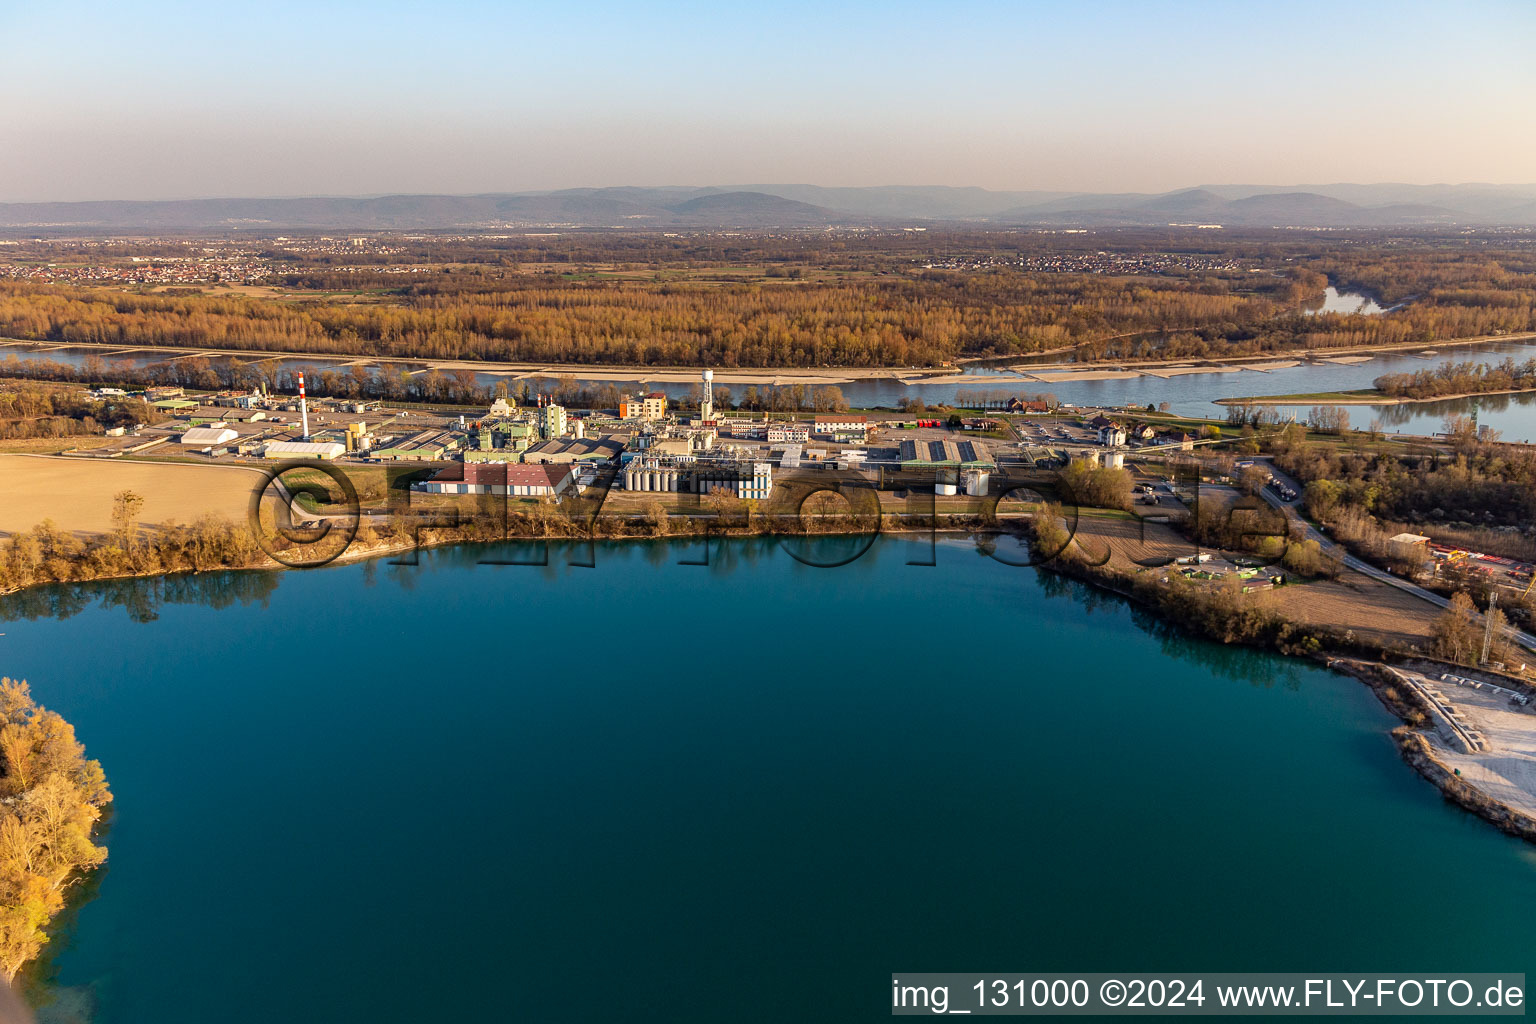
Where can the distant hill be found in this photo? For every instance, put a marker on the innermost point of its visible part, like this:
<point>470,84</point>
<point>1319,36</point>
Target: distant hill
<point>768,207</point>
<point>1267,209</point>
<point>729,209</point>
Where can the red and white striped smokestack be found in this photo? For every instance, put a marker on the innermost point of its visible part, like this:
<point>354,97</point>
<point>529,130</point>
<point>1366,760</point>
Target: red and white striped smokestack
<point>304,406</point>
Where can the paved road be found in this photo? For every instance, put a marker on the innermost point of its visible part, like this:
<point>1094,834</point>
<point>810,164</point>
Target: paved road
<point>1292,511</point>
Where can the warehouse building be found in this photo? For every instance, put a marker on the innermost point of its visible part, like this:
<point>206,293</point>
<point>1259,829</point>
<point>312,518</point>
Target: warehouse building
<point>500,479</point>
<point>213,434</point>
<point>304,450</point>
<point>946,454</point>
<point>563,451</point>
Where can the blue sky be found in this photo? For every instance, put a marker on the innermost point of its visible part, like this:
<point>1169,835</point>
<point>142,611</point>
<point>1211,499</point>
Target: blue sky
<point>161,100</point>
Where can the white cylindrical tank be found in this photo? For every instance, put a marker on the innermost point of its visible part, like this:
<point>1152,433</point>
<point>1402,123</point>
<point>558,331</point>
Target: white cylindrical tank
<point>1114,459</point>
<point>946,489</point>
<point>976,483</point>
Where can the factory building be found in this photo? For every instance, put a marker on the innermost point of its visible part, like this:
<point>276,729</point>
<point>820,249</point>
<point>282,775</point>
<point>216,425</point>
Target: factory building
<point>500,479</point>
<point>740,477</point>
<point>425,446</point>
<point>707,403</point>
<point>842,428</point>
<point>746,429</point>
<point>566,450</point>
<point>743,478</point>
<point>553,424</point>
<point>788,433</point>
<point>644,407</point>
<point>946,454</point>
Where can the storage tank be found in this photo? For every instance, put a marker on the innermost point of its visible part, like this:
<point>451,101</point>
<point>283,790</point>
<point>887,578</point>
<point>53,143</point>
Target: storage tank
<point>976,482</point>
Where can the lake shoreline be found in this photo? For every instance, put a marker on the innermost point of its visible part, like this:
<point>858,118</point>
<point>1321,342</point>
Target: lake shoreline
<point>1410,743</point>
<point>945,523</point>
<point>1407,737</point>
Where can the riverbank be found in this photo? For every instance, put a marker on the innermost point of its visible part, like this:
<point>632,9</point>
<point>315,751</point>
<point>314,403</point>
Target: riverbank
<point>1363,396</point>
<point>780,376</point>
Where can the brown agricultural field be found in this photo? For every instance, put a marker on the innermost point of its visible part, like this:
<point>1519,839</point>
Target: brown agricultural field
<point>77,493</point>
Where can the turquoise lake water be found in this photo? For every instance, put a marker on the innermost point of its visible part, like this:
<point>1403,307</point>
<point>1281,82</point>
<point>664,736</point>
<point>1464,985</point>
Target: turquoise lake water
<point>648,791</point>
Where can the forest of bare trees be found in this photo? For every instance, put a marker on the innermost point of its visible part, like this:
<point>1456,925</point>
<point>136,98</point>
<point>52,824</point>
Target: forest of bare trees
<point>847,308</point>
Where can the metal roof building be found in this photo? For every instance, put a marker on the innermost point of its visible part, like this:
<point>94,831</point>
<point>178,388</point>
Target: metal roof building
<point>304,449</point>
<point>965,454</point>
<point>202,436</point>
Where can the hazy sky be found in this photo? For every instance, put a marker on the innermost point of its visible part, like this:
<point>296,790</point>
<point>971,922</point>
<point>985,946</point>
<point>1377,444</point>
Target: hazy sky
<point>140,100</point>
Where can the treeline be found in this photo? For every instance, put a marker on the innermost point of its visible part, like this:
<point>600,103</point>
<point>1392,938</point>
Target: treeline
<point>1088,483</point>
<point>907,320</point>
<point>1481,496</point>
<point>849,308</point>
<point>1466,378</point>
<point>51,797</point>
<point>390,383</point>
<point>1480,485</point>
<point>28,411</point>
<point>47,554</point>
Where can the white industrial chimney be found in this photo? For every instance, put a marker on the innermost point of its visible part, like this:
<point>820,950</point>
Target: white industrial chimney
<point>707,404</point>
<point>303,407</point>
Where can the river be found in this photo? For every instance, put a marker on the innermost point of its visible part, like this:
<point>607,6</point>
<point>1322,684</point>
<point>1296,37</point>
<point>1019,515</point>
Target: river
<point>1335,301</point>
<point>1188,394</point>
<point>651,791</point>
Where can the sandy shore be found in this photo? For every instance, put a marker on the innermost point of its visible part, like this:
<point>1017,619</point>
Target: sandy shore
<point>1366,400</point>
<point>1506,771</point>
<point>1071,372</point>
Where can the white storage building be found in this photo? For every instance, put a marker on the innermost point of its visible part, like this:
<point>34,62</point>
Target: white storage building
<point>214,434</point>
